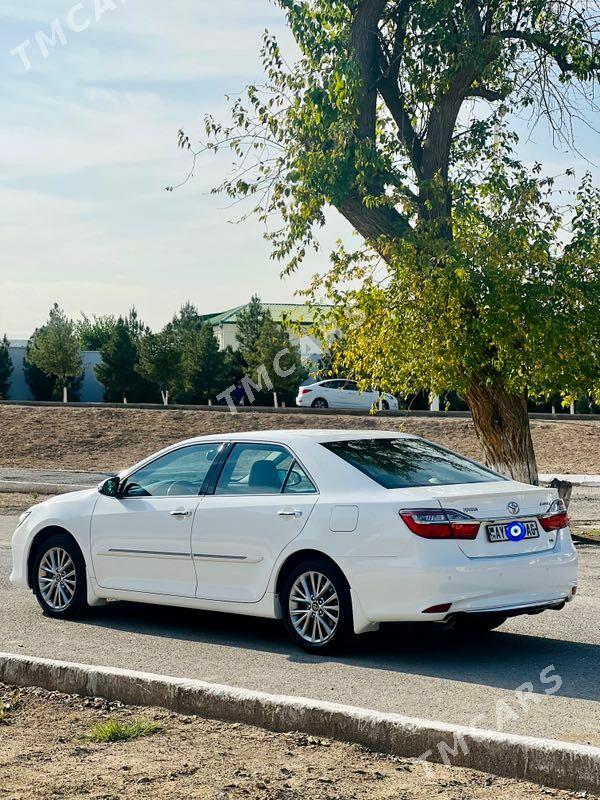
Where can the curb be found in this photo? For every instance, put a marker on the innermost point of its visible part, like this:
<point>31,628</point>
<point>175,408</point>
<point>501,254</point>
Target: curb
<point>555,764</point>
<point>31,487</point>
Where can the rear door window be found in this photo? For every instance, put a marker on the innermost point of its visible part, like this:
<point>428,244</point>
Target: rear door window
<point>402,463</point>
<point>255,469</point>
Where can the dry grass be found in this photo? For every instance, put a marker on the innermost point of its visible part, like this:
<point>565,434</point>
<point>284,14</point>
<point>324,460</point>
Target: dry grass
<point>110,439</point>
<point>17,502</point>
<point>44,753</point>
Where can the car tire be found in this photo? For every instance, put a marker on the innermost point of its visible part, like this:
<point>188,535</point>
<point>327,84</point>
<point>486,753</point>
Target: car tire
<point>329,626</point>
<point>58,577</point>
<point>385,406</point>
<point>475,624</point>
<point>320,402</point>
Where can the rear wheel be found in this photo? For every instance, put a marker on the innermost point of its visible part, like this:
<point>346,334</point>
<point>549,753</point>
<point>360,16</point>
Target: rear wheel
<point>475,624</point>
<point>320,402</point>
<point>317,609</point>
<point>58,577</point>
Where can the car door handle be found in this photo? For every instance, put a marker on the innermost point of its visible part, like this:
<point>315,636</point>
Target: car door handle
<point>289,513</point>
<point>181,513</point>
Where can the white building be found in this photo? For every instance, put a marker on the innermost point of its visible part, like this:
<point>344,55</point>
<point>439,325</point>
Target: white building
<point>225,326</point>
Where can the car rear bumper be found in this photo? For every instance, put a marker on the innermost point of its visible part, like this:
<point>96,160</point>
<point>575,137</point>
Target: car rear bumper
<point>394,590</point>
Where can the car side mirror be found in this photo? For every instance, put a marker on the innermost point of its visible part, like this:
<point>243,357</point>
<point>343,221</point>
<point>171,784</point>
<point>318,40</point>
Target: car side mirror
<point>110,487</point>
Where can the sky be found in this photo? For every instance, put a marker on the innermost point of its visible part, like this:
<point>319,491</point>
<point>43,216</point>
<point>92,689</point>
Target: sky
<point>88,141</point>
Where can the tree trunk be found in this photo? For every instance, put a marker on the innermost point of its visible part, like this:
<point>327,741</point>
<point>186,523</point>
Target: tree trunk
<point>502,427</point>
<point>65,394</point>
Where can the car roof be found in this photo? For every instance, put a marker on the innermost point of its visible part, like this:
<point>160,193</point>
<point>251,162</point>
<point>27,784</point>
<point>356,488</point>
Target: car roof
<point>314,434</point>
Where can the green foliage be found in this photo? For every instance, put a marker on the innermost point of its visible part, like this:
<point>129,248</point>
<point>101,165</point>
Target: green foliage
<point>203,365</point>
<point>117,371</point>
<point>395,114</point>
<point>160,362</point>
<point>504,298</point>
<point>120,355</point>
<point>115,731</point>
<point>279,356</point>
<point>6,367</point>
<point>94,332</point>
<point>55,349</point>
<point>41,386</point>
<point>249,323</point>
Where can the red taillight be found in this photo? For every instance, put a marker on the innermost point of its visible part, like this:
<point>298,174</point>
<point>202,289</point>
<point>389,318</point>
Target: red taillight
<point>305,391</point>
<point>440,523</point>
<point>556,517</point>
<point>553,522</point>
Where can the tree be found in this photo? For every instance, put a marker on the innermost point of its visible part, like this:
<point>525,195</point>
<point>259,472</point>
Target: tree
<point>94,332</point>
<point>275,354</point>
<point>188,318</point>
<point>40,385</point>
<point>160,363</point>
<point>6,367</point>
<point>389,116</point>
<point>203,365</point>
<point>249,325</point>
<point>117,371</point>
<point>56,350</point>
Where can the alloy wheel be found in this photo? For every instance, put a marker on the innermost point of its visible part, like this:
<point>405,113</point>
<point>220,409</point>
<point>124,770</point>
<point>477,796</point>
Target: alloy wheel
<point>314,608</point>
<point>57,579</point>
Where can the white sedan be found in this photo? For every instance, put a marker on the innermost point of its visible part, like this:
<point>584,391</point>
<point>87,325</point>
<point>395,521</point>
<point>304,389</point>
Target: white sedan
<point>333,531</point>
<point>342,393</point>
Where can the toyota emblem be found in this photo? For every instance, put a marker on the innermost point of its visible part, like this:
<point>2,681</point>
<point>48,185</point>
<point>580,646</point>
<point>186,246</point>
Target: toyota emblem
<point>513,507</point>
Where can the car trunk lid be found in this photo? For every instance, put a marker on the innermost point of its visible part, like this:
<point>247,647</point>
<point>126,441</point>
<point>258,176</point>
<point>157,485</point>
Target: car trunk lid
<point>496,506</point>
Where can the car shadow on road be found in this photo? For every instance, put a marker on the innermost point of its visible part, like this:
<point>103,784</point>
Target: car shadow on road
<point>501,659</point>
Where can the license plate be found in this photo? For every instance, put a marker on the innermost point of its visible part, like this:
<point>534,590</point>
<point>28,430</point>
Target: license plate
<point>498,533</point>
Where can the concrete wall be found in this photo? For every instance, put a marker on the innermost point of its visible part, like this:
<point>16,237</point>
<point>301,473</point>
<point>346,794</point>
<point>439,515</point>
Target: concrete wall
<point>91,390</point>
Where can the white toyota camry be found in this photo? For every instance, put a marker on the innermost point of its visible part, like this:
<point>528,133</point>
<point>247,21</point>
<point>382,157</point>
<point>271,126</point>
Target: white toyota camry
<point>333,531</point>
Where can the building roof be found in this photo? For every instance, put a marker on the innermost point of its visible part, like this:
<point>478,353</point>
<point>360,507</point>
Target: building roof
<point>297,312</point>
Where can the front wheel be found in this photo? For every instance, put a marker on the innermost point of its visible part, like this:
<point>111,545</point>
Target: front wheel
<point>475,624</point>
<point>385,406</point>
<point>58,577</point>
<point>317,609</point>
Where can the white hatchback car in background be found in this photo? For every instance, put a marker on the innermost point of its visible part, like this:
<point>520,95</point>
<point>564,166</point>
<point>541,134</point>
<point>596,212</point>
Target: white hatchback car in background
<point>333,531</point>
<point>342,393</point>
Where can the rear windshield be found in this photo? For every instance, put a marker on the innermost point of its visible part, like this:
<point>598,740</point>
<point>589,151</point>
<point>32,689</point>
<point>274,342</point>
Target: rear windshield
<point>402,463</point>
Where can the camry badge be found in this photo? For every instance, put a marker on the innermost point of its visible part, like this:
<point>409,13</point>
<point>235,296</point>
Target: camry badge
<point>513,507</point>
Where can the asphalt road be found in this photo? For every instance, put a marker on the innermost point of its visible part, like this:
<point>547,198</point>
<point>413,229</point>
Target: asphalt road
<point>416,670</point>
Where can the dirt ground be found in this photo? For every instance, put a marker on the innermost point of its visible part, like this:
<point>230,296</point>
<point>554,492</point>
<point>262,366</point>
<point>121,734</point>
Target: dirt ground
<point>45,752</point>
<point>111,439</point>
<point>17,502</point>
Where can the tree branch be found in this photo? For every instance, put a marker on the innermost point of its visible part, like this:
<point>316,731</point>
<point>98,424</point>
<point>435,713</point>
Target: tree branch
<point>540,42</point>
<point>486,94</point>
<point>390,92</point>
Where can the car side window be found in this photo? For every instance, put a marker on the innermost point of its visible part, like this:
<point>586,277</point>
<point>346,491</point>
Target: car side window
<point>176,474</point>
<point>298,482</point>
<point>351,386</point>
<point>255,469</point>
<point>332,384</point>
